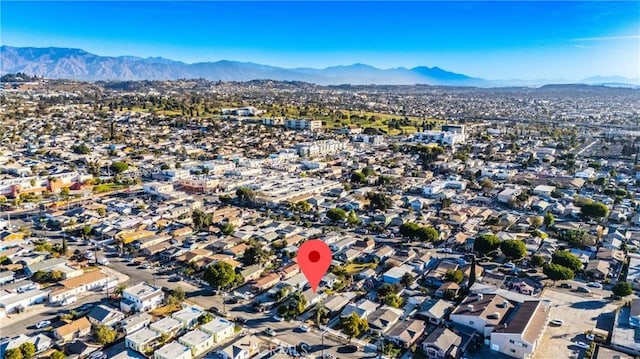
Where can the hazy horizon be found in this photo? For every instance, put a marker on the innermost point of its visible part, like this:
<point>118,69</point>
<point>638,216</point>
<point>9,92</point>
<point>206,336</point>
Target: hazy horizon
<point>497,40</point>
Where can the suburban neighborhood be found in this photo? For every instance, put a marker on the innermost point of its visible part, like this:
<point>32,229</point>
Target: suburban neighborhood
<point>161,219</point>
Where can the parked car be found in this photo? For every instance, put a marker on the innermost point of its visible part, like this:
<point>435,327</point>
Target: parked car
<point>98,355</point>
<point>590,337</point>
<point>582,345</point>
<point>594,285</point>
<point>509,265</point>
<point>304,328</point>
<point>565,285</point>
<point>583,290</point>
<point>270,332</point>
<point>278,318</point>
<point>348,349</point>
<point>557,322</point>
<point>43,324</point>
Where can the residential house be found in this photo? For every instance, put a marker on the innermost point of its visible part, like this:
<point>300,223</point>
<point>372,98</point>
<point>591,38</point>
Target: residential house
<point>598,269</point>
<point>434,310</point>
<point>520,333</point>
<point>166,326</point>
<point>173,350</point>
<point>406,332</point>
<point>135,322</point>
<point>220,329</point>
<point>141,298</point>
<point>104,315</point>
<point>76,329</point>
<point>394,274</point>
<point>46,265</point>
<point>89,281</point>
<point>362,308</point>
<point>141,340</point>
<point>266,282</point>
<point>13,302</point>
<point>444,343</point>
<point>336,302</point>
<point>188,315</point>
<point>243,348</point>
<point>482,312</point>
<point>198,341</point>
<point>382,319</point>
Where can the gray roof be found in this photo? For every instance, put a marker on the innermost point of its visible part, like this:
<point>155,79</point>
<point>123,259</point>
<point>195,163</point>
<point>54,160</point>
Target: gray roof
<point>46,264</point>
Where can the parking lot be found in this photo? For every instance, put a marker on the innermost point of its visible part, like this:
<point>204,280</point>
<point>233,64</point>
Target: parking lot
<point>580,313</point>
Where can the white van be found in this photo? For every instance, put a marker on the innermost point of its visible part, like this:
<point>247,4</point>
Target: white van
<point>104,261</point>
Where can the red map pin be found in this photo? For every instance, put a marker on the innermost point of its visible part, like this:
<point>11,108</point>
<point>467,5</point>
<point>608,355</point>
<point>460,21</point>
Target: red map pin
<point>314,258</point>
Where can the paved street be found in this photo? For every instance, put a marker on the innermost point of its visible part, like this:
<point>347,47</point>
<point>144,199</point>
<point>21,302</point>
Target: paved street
<point>24,323</point>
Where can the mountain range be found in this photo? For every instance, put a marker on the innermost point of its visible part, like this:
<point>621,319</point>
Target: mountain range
<point>77,64</point>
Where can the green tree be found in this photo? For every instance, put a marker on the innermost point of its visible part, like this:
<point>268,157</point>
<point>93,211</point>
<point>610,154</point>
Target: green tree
<point>368,171</point>
<point>557,272</point>
<point>486,243</point>
<point>200,219</point>
<point>64,192</point>
<point>101,211</point>
<point>352,219</point>
<point>423,233</point>
<point>336,214</point>
<point>594,210</point>
<point>228,229</point>
<point>219,275</point>
<point>537,260</point>
<point>353,325</point>
<point>456,276</point>
<point>536,221</point>
<point>224,198</point>
<point>28,350</point>
<point>254,255</point>
<point>119,289</point>
<point>105,335</point>
<point>57,355</point>
<point>205,318</point>
<point>513,248</point>
<point>393,300</point>
<point>566,259</point>
<point>119,167</point>
<point>472,273</point>
<point>246,194</point>
<point>379,201</point>
<point>549,219</point>
<point>179,293</point>
<point>407,279</point>
<point>358,177</point>
<point>86,231</point>
<point>321,313</point>
<point>622,289</point>
<point>13,353</point>
<point>427,234</point>
<point>386,289</point>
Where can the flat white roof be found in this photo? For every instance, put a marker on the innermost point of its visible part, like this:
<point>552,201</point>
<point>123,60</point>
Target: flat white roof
<point>172,350</point>
<point>195,337</point>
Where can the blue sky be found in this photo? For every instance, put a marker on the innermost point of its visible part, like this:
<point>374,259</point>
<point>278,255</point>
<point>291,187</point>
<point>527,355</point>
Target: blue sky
<point>494,40</point>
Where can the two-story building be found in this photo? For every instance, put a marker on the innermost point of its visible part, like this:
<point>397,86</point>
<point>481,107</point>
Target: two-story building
<point>141,298</point>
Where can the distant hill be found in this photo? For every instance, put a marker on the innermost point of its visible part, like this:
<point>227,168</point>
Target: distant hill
<point>77,64</point>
